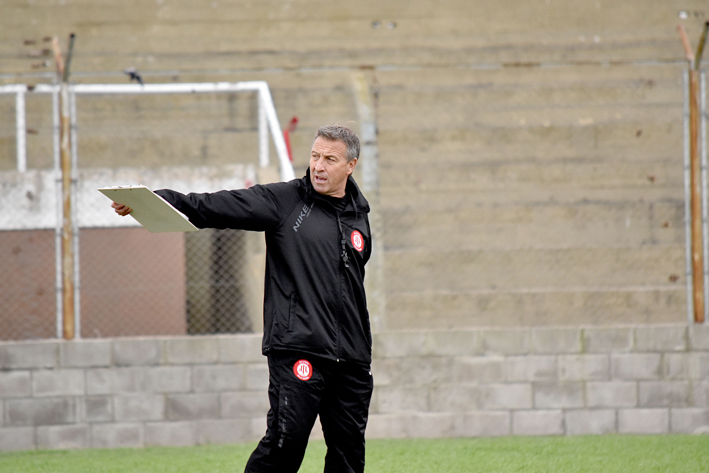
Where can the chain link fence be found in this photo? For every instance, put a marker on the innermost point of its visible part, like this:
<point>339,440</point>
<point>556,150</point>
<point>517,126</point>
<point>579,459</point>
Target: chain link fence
<point>519,196</point>
<point>130,282</point>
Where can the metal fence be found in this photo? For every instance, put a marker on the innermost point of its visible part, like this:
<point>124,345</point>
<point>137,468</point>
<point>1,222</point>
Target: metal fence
<point>130,282</point>
<point>541,195</point>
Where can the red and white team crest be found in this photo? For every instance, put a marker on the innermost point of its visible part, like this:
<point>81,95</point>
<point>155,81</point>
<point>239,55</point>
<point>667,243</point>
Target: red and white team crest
<point>303,370</point>
<point>357,241</point>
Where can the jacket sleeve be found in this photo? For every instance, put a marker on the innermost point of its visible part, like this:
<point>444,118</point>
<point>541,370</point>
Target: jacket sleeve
<point>259,208</point>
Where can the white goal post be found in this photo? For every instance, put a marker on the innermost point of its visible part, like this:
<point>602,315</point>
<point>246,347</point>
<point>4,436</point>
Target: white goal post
<point>268,127</point>
<point>267,118</point>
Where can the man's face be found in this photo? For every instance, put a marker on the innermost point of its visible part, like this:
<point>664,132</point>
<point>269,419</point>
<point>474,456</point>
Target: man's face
<point>329,168</point>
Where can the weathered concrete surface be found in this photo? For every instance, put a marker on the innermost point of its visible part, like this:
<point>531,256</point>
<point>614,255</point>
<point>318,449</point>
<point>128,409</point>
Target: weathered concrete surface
<point>530,153</point>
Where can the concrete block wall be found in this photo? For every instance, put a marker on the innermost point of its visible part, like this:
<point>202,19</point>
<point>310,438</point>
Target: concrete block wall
<point>132,392</point>
<point>479,382</point>
<point>629,379</point>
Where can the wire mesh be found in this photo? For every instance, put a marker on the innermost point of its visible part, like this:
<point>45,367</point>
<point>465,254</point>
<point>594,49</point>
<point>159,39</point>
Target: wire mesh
<point>131,282</point>
<point>528,196</point>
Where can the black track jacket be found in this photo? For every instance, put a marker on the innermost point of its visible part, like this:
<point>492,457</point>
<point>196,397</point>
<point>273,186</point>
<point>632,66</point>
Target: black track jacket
<point>314,299</point>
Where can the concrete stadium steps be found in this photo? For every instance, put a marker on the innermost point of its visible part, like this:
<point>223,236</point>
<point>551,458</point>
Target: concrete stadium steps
<point>544,307</point>
<point>534,226</point>
<point>561,87</point>
<point>145,54</point>
<point>459,107</point>
<point>585,174</point>
<point>530,153</point>
<point>637,140</point>
<point>538,98</point>
<point>403,200</point>
<point>248,34</point>
<point>449,269</point>
<point>561,203</point>
<point>509,16</point>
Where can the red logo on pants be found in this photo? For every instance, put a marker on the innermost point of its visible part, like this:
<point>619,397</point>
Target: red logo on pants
<point>303,370</point>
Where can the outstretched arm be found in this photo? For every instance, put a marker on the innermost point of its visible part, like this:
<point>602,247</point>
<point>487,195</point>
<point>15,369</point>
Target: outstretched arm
<point>257,208</point>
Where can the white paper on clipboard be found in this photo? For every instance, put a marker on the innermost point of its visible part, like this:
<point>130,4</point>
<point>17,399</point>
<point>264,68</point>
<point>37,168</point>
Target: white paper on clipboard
<point>149,209</point>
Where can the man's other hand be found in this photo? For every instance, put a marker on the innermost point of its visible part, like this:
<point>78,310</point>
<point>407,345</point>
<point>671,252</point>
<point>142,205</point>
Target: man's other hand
<point>121,209</point>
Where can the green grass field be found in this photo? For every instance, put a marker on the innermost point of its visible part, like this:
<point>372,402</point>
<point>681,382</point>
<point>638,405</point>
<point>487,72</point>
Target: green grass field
<point>607,454</point>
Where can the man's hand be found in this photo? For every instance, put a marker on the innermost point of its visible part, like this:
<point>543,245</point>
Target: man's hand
<point>121,209</point>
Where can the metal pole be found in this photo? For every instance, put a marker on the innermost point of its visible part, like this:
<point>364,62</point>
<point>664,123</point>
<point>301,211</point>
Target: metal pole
<point>56,138</point>
<point>703,122</point>
<point>687,213</point>
<point>66,170</point>
<point>695,176</point>
<point>263,146</point>
<point>696,199</point>
<point>67,225</point>
<point>274,127</point>
<point>698,174</point>
<point>21,131</point>
<point>74,219</point>
<point>366,98</point>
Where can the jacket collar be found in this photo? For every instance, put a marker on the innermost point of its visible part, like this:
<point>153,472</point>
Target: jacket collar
<point>357,199</point>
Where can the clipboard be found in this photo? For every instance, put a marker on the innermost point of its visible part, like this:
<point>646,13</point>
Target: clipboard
<point>149,209</point>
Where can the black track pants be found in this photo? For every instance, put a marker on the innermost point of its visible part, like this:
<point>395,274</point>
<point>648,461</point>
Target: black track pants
<point>300,388</point>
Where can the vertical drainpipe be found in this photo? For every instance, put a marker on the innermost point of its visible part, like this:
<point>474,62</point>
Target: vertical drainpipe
<point>366,99</point>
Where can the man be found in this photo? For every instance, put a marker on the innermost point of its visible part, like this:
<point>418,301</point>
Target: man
<point>316,326</point>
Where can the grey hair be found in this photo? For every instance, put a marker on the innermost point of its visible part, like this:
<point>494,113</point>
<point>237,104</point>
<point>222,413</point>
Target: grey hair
<point>344,134</point>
